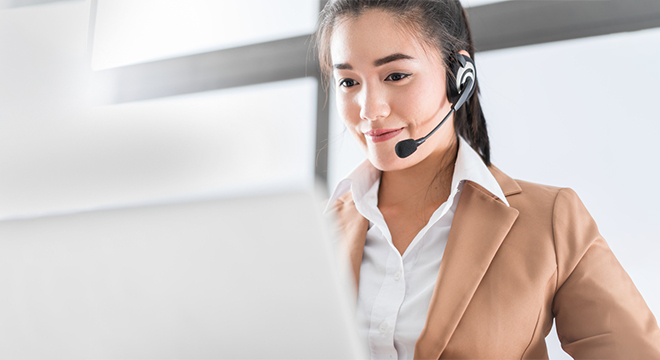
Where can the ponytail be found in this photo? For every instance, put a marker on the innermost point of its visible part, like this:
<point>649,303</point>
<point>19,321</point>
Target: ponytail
<point>469,121</point>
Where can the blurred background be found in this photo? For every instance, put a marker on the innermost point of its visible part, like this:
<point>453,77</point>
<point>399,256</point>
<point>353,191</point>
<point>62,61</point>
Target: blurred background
<point>111,102</point>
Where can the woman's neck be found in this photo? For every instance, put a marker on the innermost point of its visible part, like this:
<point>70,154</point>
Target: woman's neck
<point>424,186</point>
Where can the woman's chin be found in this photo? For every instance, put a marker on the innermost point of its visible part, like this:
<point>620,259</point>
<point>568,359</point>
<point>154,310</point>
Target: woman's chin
<point>389,162</point>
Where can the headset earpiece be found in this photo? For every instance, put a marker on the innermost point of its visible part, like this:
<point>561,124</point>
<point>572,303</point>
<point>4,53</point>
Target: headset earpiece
<point>460,88</point>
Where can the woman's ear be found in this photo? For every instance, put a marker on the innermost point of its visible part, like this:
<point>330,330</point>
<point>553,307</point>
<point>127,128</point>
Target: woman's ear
<point>465,53</point>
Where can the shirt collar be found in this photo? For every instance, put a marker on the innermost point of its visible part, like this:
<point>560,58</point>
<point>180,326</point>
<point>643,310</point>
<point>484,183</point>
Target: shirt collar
<point>468,167</point>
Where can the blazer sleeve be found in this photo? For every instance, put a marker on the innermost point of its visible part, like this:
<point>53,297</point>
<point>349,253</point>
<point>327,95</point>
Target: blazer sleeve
<point>599,313</point>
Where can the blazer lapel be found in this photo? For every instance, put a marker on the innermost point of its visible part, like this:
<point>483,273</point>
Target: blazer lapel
<point>480,224</point>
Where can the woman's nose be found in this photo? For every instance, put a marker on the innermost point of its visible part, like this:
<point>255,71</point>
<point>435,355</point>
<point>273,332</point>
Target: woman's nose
<point>374,104</point>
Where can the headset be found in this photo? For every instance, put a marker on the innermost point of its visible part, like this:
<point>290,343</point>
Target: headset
<point>458,92</point>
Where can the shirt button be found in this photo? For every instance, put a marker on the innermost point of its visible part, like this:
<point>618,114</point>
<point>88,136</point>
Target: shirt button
<point>383,328</point>
<point>397,276</point>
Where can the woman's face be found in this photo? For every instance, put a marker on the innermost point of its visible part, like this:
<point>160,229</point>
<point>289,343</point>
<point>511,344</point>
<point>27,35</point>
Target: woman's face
<point>389,88</point>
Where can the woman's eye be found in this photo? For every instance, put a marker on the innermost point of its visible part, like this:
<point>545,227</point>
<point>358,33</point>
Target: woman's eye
<point>347,82</point>
<point>396,77</point>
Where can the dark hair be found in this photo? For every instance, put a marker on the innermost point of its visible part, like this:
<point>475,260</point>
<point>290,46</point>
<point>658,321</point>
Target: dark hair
<point>443,25</point>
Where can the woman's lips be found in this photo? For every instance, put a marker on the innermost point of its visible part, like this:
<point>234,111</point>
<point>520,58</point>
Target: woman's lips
<point>379,135</point>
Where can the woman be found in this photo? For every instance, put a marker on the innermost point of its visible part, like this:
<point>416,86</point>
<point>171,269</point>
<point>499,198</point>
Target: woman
<point>453,258</point>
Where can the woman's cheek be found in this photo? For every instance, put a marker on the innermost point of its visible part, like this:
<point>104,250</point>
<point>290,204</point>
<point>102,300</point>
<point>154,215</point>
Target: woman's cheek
<point>350,115</point>
<point>405,106</point>
<point>415,106</point>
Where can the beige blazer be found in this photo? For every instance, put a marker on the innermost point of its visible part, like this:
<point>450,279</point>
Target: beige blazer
<point>508,271</point>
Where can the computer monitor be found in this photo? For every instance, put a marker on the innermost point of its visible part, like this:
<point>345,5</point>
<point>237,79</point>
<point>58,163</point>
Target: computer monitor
<point>243,278</point>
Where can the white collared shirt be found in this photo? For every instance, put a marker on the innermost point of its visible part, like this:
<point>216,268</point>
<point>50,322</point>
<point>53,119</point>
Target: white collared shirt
<point>395,290</point>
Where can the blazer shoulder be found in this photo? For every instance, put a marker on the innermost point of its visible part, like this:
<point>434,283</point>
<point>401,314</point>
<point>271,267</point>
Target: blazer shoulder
<point>559,213</point>
<point>525,195</point>
<point>539,191</point>
<point>511,187</point>
<point>558,202</point>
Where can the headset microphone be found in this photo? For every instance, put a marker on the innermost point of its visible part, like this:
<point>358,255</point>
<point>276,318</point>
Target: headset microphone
<point>465,74</point>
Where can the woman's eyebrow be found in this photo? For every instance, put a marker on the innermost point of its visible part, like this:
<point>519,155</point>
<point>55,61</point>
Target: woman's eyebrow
<point>342,66</point>
<point>390,58</point>
<point>377,63</point>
